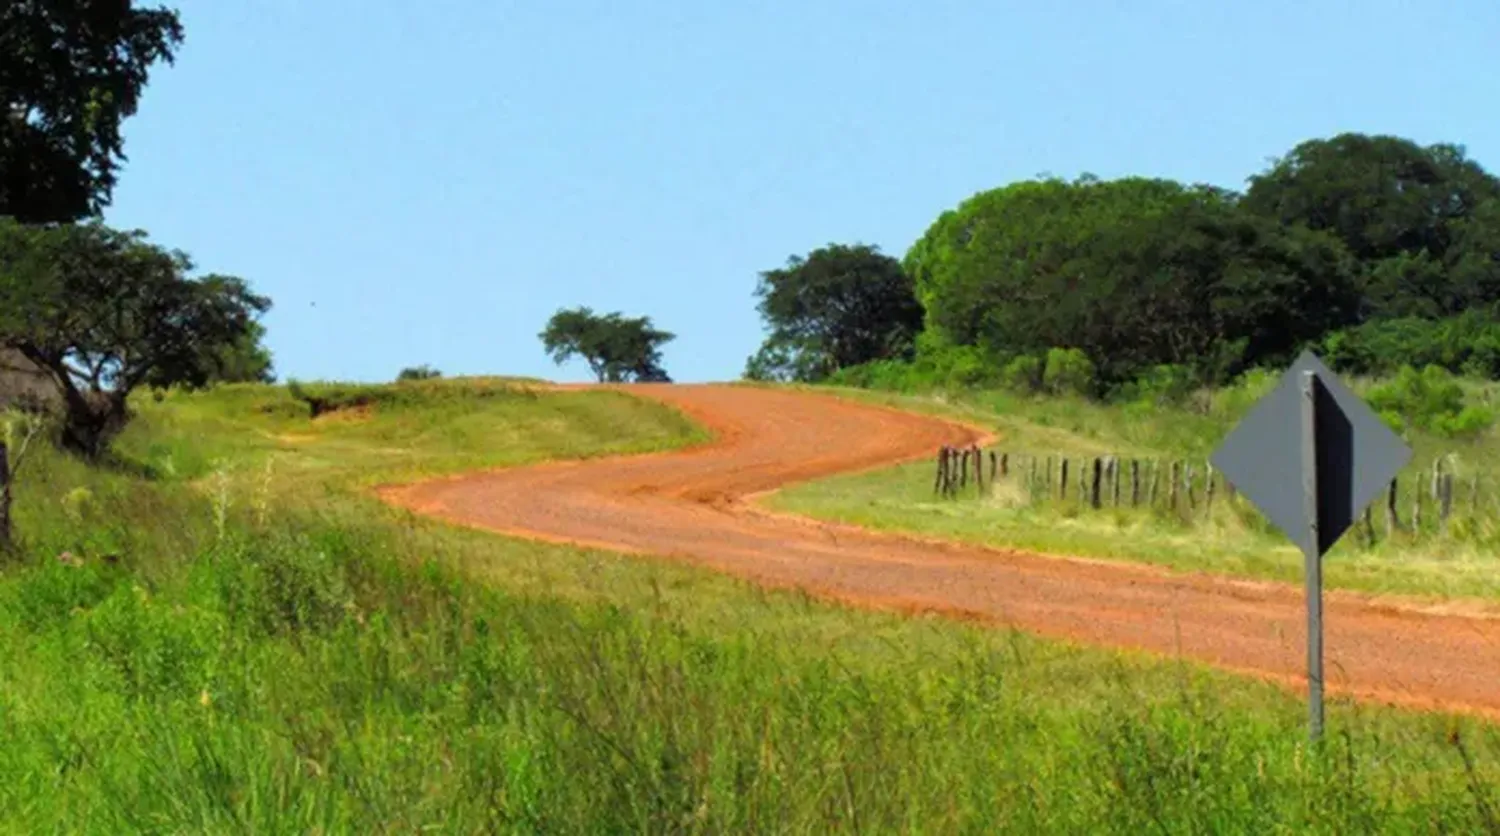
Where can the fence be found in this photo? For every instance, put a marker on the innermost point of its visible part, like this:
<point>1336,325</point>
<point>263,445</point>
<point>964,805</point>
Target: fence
<point>1422,500</point>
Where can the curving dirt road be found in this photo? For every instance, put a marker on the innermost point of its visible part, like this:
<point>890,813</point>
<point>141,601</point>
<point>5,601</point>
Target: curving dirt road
<point>695,505</point>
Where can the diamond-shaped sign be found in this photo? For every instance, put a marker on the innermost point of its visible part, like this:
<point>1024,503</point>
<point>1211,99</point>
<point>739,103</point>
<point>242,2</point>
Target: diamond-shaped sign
<point>1357,455</point>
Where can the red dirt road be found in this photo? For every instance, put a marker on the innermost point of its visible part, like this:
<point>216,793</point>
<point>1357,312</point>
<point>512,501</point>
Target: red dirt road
<point>694,505</point>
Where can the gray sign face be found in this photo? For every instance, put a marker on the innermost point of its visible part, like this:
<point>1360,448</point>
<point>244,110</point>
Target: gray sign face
<point>1357,456</point>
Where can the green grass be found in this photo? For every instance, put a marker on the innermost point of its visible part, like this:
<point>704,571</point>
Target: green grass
<point>1236,541</point>
<point>281,654</point>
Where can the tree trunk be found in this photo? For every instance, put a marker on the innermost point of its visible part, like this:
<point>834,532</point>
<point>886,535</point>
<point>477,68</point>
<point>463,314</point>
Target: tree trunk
<point>91,418</point>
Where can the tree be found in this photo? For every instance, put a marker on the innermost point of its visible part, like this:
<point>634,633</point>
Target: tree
<point>616,348</point>
<point>244,360</point>
<point>71,71</point>
<point>104,312</point>
<point>840,306</point>
<point>422,372</point>
<point>1422,223</point>
<point>1135,273</point>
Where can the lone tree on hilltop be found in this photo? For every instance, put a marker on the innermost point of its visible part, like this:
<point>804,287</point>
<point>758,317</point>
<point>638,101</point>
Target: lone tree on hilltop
<point>102,312</point>
<point>617,348</point>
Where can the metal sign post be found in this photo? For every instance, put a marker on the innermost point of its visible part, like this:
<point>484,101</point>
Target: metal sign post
<point>1313,432</point>
<point>1314,558</point>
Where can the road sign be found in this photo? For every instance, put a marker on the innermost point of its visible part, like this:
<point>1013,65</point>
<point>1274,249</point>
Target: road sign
<point>1311,455</point>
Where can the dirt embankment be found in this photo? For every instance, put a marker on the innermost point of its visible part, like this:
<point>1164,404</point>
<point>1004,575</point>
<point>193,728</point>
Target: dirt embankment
<point>692,505</point>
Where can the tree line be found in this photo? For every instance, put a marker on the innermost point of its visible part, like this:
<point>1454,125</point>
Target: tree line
<point>1375,250</point>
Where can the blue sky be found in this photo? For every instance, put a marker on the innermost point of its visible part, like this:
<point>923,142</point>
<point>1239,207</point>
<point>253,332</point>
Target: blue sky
<point>427,182</point>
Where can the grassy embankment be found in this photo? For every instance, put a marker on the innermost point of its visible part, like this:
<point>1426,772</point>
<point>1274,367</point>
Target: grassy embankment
<point>1460,562</point>
<point>275,652</point>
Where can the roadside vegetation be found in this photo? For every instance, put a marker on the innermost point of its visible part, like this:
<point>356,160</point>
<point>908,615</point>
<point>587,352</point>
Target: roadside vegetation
<point>1141,317</point>
<point>1436,561</point>
<point>224,634</point>
<point>209,625</point>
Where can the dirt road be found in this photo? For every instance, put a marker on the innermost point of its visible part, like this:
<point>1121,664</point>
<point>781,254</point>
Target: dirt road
<point>693,505</point>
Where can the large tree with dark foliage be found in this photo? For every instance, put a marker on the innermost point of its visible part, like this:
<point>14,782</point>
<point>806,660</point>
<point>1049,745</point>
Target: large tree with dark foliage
<point>104,312</point>
<point>1134,272</point>
<point>71,71</point>
<point>1422,222</point>
<point>617,348</point>
<point>838,307</point>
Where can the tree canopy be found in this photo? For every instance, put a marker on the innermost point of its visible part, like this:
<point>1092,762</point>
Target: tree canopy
<point>840,306</point>
<point>104,312</point>
<point>1135,273</point>
<point>1422,223</point>
<point>617,348</point>
<point>71,71</point>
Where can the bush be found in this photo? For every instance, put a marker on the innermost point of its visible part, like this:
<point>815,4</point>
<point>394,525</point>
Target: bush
<point>1467,344</point>
<point>1022,374</point>
<point>1232,402</point>
<point>280,587</point>
<point>885,375</point>
<point>1164,385</point>
<point>963,367</point>
<point>937,365</point>
<point>1068,372</point>
<point>422,372</point>
<point>325,398</point>
<point>1430,400</point>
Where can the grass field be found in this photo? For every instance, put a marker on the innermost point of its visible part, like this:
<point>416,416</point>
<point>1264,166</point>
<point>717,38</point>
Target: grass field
<point>274,652</point>
<point>1459,563</point>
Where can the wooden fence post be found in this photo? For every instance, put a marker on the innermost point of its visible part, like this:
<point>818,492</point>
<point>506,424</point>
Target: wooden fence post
<point>1208,495</point>
<point>942,462</point>
<point>1135,482</point>
<point>1447,501</point>
<point>1004,465</point>
<point>1172,487</point>
<point>994,463</point>
<point>1094,487</point>
<point>1416,509</point>
<point>1155,465</point>
<point>1187,486</point>
<point>1062,479</point>
<point>1392,519</point>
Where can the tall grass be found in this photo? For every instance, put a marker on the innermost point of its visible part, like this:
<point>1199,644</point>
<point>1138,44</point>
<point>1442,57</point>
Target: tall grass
<point>253,661</point>
<point>1456,560</point>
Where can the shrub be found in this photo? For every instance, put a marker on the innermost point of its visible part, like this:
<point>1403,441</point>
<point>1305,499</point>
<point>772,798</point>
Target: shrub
<point>1430,400</point>
<point>280,587</point>
<point>422,372</point>
<point>1022,374</point>
<point>1468,344</point>
<point>1164,385</point>
<point>1068,372</point>
<point>962,367</point>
